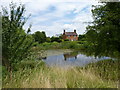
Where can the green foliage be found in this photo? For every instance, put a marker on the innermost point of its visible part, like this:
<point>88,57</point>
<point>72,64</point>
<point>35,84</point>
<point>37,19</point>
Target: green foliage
<point>68,45</point>
<point>35,44</point>
<point>56,39</point>
<point>53,45</point>
<point>77,45</point>
<point>104,33</point>
<point>16,44</point>
<point>48,39</point>
<point>81,37</point>
<point>4,72</point>
<point>66,40</point>
<point>72,45</point>
<point>60,36</point>
<point>39,37</point>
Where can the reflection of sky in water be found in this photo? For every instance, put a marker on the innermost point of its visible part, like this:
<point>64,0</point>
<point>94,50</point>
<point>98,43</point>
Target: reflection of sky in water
<point>81,60</point>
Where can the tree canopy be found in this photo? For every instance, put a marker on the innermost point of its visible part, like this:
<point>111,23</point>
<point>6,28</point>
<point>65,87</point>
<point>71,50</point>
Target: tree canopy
<point>16,43</point>
<point>105,29</point>
<point>39,37</point>
<point>56,39</point>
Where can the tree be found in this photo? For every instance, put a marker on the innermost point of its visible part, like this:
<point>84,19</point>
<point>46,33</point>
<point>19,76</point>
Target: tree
<point>39,37</point>
<point>44,36</point>
<point>106,28</point>
<point>16,44</point>
<point>60,36</point>
<point>81,37</point>
<point>56,39</point>
<point>48,39</point>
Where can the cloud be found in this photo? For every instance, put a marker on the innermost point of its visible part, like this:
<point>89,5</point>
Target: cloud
<point>52,16</point>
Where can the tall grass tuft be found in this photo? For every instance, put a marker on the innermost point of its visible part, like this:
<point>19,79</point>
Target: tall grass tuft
<point>42,76</point>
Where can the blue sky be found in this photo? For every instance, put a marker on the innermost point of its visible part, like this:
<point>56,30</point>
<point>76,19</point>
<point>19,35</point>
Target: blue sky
<point>52,16</point>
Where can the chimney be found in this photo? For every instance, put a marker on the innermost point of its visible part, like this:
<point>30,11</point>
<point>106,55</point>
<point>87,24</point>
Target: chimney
<point>64,30</point>
<point>74,30</point>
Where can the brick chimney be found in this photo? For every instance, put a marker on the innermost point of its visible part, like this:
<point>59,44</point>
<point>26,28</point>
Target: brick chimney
<point>64,30</point>
<point>74,30</point>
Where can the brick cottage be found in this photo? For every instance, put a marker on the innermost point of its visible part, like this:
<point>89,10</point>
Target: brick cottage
<point>71,36</point>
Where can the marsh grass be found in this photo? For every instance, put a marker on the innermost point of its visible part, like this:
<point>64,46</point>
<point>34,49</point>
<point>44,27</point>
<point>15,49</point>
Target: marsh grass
<point>42,76</point>
<point>63,45</point>
<point>107,69</point>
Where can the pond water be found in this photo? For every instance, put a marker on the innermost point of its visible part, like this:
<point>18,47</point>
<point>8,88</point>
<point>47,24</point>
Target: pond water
<point>66,58</point>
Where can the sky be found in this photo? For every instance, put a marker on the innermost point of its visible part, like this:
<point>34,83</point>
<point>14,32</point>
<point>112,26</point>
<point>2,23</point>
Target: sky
<point>53,16</point>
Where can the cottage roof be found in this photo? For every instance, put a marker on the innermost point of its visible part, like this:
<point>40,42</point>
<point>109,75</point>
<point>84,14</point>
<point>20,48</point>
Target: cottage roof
<point>70,33</point>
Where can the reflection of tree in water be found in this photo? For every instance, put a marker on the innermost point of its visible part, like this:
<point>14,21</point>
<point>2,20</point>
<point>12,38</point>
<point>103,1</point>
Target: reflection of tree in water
<point>44,58</point>
<point>70,55</point>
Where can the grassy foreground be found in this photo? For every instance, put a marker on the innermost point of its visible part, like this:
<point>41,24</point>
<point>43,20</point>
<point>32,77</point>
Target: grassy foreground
<point>42,76</point>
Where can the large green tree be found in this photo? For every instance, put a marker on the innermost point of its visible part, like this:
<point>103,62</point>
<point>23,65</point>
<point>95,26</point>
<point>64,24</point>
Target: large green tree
<point>16,44</point>
<point>81,37</point>
<point>105,29</point>
<point>39,37</point>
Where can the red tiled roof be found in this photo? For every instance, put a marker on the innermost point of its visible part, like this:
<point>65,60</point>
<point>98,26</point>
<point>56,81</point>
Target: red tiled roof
<point>70,33</point>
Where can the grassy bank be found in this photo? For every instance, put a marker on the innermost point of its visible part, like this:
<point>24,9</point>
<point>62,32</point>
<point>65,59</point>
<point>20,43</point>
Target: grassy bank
<point>64,45</point>
<point>82,46</point>
<point>41,76</point>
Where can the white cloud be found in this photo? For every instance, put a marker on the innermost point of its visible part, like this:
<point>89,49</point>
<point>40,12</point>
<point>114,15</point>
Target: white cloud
<point>63,7</point>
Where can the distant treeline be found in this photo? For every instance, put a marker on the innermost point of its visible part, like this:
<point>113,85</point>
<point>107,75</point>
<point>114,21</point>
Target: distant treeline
<point>41,37</point>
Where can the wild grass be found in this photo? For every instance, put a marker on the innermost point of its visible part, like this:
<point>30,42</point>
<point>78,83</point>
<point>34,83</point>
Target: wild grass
<point>63,45</point>
<point>42,76</point>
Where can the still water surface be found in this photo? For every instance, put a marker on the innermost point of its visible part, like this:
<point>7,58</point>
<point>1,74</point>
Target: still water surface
<point>66,59</point>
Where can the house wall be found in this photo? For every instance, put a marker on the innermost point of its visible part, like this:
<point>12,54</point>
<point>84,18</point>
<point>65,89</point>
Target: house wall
<point>71,38</point>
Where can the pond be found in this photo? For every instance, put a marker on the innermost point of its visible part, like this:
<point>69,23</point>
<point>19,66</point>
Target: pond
<point>67,58</point>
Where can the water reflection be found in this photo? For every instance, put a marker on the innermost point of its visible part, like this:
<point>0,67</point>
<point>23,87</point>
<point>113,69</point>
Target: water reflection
<point>70,55</point>
<point>44,58</point>
<point>71,59</point>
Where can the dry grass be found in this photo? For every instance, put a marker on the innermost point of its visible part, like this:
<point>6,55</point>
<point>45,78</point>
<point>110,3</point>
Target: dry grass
<point>54,77</point>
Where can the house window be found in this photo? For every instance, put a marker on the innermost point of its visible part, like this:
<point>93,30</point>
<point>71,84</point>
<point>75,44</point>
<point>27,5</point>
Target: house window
<point>74,36</point>
<point>68,36</point>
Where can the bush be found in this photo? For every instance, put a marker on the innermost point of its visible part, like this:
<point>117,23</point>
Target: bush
<point>56,39</point>
<point>35,44</point>
<point>55,45</point>
<point>46,44</point>
<point>16,43</point>
<point>66,40</point>
<point>72,45</point>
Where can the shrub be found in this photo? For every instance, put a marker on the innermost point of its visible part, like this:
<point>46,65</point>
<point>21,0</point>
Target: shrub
<point>66,40</point>
<point>16,44</point>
